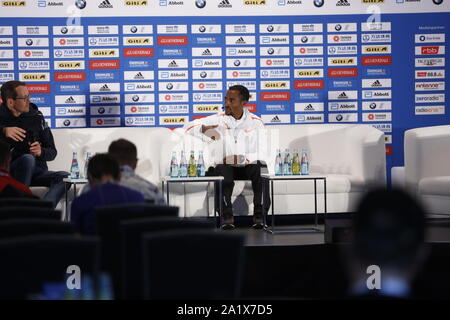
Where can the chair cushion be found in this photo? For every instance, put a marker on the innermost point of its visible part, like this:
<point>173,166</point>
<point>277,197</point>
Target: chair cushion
<point>39,191</point>
<point>435,186</point>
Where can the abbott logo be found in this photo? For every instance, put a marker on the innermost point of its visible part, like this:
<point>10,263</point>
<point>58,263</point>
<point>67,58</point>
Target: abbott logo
<point>374,279</point>
<point>74,279</point>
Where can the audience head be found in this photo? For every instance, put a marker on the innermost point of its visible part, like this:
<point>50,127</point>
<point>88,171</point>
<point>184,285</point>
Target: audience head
<point>125,152</point>
<point>15,97</point>
<point>103,168</point>
<point>389,232</point>
<point>5,156</point>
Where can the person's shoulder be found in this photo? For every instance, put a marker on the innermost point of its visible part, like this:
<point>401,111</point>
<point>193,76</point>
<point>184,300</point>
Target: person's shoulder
<point>255,118</point>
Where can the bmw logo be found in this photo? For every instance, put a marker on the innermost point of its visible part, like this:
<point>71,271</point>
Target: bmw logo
<point>304,39</point>
<point>200,3</point>
<point>422,38</point>
<point>319,3</point>
<point>366,38</point>
<point>163,109</point>
<point>203,75</point>
<point>332,50</point>
<point>373,105</point>
<point>298,62</point>
<point>270,28</point>
<point>135,98</point>
<point>58,53</point>
<point>202,29</point>
<point>237,63</point>
<point>133,29</point>
<point>92,41</point>
<point>169,86</point>
<point>338,27</point>
<point>438,2</point>
<point>265,74</point>
<point>66,123</point>
<point>29,42</point>
<point>129,120</point>
<point>270,51</point>
<point>81,4</point>
<point>23,65</point>
<point>101,110</point>
<point>64,30</point>
<point>339,117</point>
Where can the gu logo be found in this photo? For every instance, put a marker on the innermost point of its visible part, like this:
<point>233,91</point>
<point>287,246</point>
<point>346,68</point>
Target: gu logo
<point>374,280</point>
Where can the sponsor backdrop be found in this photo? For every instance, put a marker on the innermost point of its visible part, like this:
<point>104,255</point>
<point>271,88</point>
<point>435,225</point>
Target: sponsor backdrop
<point>163,63</point>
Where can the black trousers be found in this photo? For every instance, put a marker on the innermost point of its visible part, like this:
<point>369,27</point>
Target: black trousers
<point>250,172</point>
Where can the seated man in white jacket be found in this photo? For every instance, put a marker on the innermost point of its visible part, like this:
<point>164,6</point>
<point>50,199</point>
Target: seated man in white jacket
<point>239,149</point>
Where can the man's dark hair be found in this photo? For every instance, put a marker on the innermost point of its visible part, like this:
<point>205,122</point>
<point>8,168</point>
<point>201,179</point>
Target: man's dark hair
<point>103,164</point>
<point>123,151</point>
<point>243,91</point>
<point>389,228</point>
<point>9,89</point>
<point>5,153</point>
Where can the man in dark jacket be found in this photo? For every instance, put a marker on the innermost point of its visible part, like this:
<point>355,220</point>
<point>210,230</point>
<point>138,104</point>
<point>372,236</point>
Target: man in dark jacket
<point>24,128</point>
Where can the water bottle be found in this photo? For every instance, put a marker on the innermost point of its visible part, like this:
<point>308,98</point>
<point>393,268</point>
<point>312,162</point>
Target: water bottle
<point>304,162</point>
<point>174,166</point>
<point>295,163</point>
<point>287,166</point>
<point>200,165</point>
<point>74,169</point>
<point>183,172</point>
<point>86,165</point>
<point>192,169</point>
<point>278,164</point>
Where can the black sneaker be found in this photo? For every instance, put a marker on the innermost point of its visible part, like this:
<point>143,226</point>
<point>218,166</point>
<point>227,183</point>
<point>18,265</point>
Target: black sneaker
<point>258,222</point>
<point>227,223</point>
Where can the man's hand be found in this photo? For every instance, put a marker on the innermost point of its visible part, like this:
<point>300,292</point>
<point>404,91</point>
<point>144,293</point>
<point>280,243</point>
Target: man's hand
<point>36,149</point>
<point>211,132</point>
<point>234,159</point>
<point>15,133</point>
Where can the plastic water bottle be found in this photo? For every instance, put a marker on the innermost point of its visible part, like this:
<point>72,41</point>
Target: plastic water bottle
<point>287,166</point>
<point>174,165</point>
<point>183,171</point>
<point>295,163</point>
<point>192,165</point>
<point>200,165</point>
<point>74,169</point>
<point>86,164</point>
<point>278,164</point>
<point>304,162</point>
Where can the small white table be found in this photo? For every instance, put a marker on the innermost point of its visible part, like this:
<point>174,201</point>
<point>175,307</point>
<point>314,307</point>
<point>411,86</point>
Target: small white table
<point>168,180</point>
<point>267,178</point>
<point>68,182</point>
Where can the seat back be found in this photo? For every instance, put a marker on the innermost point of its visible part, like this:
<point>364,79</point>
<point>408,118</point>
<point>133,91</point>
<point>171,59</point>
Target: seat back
<point>25,202</point>
<point>7,213</point>
<point>194,264</point>
<point>27,227</point>
<point>131,246</point>
<point>31,264</point>
<point>107,223</point>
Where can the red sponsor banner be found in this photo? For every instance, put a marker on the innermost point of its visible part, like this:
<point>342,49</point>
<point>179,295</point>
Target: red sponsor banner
<point>389,150</point>
<point>308,84</point>
<point>138,52</point>
<point>200,116</point>
<point>369,61</point>
<point>342,72</point>
<point>38,88</point>
<point>275,96</point>
<point>172,40</point>
<point>104,64</point>
<point>70,76</point>
<point>251,107</point>
<point>429,50</point>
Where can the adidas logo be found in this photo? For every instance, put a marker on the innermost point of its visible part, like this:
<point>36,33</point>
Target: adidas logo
<point>343,96</point>
<point>70,100</point>
<point>309,107</point>
<point>139,76</point>
<point>173,64</point>
<point>275,119</point>
<point>105,4</point>
<point>207,53</point>
<point>105,88</point>
<point>342,3</point>
<point>376,84</point>
<point>224,4</point>
<point>240,41</point>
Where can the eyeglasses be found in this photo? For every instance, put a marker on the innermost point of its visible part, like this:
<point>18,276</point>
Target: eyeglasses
<point>23,98</point>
